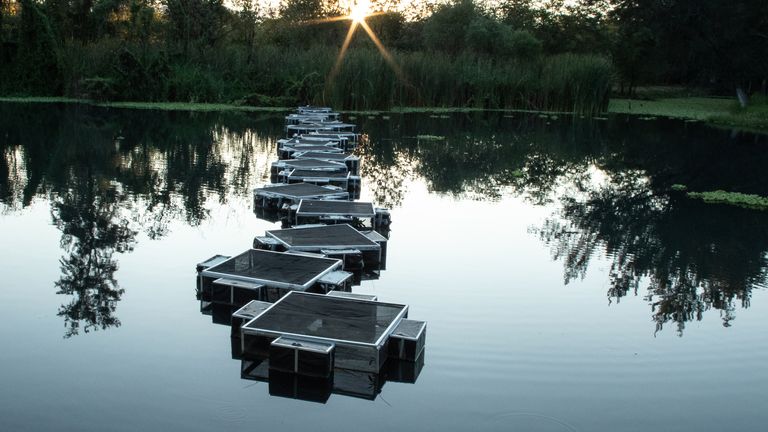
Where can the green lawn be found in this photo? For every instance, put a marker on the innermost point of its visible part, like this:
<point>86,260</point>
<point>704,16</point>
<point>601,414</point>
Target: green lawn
<point>721,111</point>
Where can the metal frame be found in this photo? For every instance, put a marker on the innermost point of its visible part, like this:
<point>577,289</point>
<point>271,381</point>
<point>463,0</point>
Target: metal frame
<point>272,283</point>
<point>299,212</point>
<point>337,192</point>
<point>377,344</point>
<point>372,245</point>
<point>308,164</point>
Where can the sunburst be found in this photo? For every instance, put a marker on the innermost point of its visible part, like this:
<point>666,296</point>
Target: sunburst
<point>358,13</point>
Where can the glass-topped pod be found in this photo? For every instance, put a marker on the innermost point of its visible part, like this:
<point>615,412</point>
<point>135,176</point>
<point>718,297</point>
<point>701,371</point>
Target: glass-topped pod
<point>308,125</point>
<point>305,128</point>
<point>357,249</point>
<point>354,333</point>
<point>300,140</point>
<point>351,161</point>
<point>304,109</point>
<point>288,151</point>
<point>273,197</point>
<point>323,177</point>
<point>311,116</point>
<point>350,137</point>
<point>285,165</point>
<point>361,215</point>
<point>340,141</point>
<point>267,276</point>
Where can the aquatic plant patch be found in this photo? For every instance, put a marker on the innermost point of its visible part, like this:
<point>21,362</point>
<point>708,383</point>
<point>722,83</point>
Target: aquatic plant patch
<point>750,201</point>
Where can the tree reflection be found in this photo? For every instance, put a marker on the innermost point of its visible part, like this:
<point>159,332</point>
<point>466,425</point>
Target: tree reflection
<point>692,257</point>
<point>93,230</point>
<point>112,175</point>
<point>611,182</point>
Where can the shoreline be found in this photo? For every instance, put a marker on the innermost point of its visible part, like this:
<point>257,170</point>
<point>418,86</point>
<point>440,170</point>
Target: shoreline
<point>719,112</point>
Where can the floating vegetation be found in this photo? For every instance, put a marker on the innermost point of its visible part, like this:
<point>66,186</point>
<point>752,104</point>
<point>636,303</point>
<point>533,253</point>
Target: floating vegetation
<point>430,137</point>
<point>677,187</point>
<point>756,202</point>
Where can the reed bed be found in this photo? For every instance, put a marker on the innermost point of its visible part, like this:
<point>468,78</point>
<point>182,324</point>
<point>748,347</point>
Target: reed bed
<point>274,75</point>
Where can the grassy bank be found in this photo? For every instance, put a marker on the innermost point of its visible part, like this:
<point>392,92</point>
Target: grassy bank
<point>720,111</point>
<point>717,111</point>
<point>163,106</point>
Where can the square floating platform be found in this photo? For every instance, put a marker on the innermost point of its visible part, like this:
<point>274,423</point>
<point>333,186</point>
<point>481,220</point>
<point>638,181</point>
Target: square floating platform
<point>289,151</point>
<point>359,329</point>
<point>277,195</point>
<point>351,137</point>
<point>273,269</point>
<point>356,249</point>
<point>310,207</point>
<point>351,161</point>
<point>341,179</point>
<point>332,212</point>
<point>308,164</point>
<point>317,238</point>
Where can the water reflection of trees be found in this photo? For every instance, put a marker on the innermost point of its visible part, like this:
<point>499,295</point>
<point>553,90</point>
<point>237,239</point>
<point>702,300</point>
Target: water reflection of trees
<point>611,183</point>
<point>112,175</point>
<point>692,257</point>
<point>93,230</point>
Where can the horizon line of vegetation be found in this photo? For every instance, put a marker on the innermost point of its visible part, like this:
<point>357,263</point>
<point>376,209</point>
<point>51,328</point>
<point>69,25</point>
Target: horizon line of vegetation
<point>521,54</point>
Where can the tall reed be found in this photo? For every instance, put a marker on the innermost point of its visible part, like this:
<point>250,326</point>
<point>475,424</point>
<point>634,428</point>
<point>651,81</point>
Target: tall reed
<point>364,80</point>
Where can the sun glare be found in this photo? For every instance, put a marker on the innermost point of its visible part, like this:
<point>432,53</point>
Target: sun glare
<point>360,10</point>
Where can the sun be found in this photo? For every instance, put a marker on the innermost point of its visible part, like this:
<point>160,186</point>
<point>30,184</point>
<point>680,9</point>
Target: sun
<point>360,10</point>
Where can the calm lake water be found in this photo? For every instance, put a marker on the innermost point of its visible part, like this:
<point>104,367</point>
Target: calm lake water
<point>566,287</point>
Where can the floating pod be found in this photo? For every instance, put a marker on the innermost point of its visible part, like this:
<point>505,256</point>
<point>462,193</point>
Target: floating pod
<point>288,151</point>
<point>275,196</point>
<point>322,177</point>
<point>359,329</point>
<point>331,212</point>
<point>351,161</point>
<point>267,275</point>
<point>329,238</point>
<point>310,164</point>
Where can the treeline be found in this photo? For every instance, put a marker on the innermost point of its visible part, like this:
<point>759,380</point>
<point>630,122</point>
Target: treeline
<point>512,54</point>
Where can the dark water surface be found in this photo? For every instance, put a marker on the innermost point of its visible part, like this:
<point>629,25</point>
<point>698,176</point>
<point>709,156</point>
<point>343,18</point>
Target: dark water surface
<point>565,286</point>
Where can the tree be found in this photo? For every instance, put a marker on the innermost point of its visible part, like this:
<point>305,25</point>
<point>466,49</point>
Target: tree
<point>710,42</point>
<point>197,22</point>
